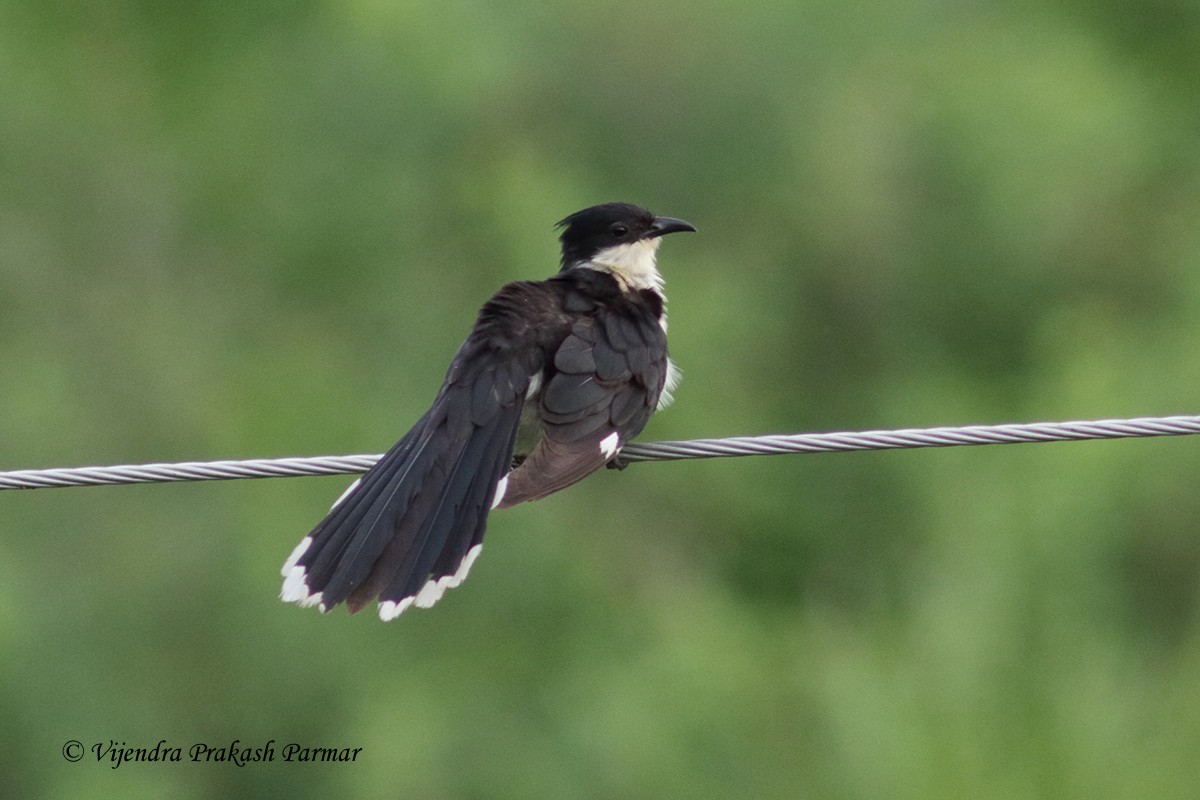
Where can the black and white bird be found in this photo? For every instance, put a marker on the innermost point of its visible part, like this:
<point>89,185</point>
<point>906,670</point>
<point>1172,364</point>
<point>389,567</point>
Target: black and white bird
<point>554,379</point>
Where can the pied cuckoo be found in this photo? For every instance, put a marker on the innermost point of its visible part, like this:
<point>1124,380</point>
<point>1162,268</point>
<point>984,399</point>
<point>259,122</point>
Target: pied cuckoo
<point>554,379</point>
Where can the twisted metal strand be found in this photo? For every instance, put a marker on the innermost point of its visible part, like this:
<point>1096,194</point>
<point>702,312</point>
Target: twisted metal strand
<point>913,438</point>
<point>185,471</point>
<point>652,451</point>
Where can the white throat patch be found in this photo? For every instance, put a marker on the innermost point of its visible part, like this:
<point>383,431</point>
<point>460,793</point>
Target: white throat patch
<point>633,264</point>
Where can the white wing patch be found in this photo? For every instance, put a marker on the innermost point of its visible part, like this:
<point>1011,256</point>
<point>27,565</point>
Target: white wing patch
<point>609,445</point>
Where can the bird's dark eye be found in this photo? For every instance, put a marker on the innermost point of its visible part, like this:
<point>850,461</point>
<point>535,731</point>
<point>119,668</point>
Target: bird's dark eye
<point>619,230</point>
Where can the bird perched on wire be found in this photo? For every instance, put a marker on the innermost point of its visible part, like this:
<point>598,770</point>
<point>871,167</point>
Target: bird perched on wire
<point>554,379</point>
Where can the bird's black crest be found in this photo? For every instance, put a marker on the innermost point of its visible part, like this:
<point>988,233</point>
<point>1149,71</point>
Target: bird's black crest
<point>589,231</point>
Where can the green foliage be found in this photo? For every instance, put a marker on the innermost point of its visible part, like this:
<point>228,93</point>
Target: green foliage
<point>262,229</point>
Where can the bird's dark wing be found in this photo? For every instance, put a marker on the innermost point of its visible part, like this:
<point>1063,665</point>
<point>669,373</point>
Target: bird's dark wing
<point>414,522</point>
<point>602,385</point>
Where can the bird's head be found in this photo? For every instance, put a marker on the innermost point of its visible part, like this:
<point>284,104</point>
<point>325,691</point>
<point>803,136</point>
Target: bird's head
<point>618,237</point>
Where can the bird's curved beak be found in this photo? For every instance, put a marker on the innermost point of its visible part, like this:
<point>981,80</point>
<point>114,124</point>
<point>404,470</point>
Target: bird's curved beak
<point>664,225</point>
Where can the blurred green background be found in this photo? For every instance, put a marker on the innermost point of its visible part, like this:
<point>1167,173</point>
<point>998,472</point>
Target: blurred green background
<point>237,230</point>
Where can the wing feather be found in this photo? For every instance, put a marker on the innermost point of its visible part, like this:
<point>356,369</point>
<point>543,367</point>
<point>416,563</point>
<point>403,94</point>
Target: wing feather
<point>607,382</point>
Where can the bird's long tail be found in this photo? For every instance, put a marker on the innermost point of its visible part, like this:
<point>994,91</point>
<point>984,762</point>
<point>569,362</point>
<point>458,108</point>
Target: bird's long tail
<point>413,524</point>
